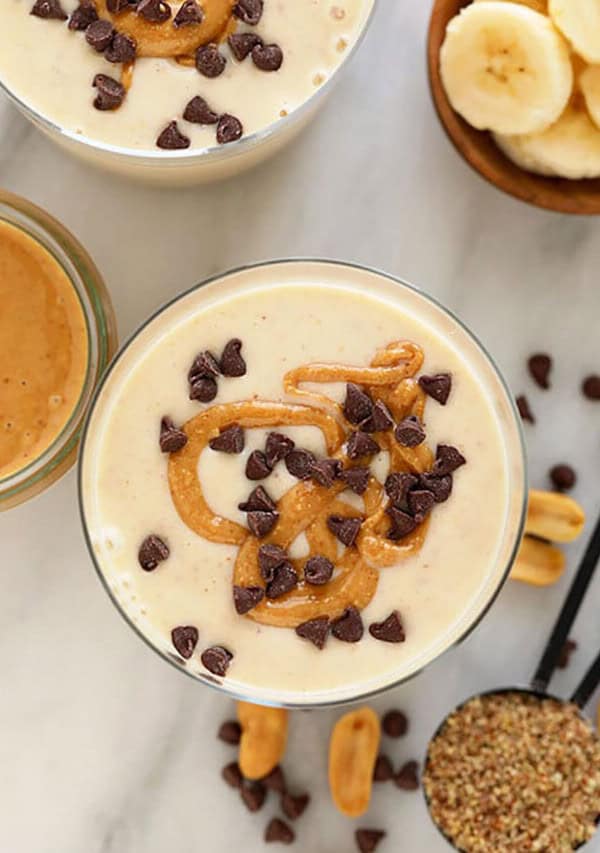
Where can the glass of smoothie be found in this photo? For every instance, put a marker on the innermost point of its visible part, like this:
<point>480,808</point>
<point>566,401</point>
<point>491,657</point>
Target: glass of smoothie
<point>175,92</point>
<point>58,334</point>
<point>302,481</point>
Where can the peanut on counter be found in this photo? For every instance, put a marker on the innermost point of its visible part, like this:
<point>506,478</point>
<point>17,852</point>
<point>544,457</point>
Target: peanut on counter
<point>353,751</point>
<point>263,739</point>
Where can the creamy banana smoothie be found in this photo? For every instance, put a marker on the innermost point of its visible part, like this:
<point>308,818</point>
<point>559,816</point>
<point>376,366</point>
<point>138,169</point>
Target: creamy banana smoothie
<point>298,481</point>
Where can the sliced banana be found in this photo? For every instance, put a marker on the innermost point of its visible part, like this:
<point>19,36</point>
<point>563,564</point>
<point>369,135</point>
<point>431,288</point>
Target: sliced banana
<point>589,83</point>
<point>505,68</point>
<point>569,149</point>
<point>579,21</point>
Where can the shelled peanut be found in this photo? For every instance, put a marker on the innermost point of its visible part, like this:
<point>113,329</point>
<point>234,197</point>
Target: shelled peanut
<point>353,751</point>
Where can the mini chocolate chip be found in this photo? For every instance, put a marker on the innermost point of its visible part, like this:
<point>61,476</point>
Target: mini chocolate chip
<point>357,479</point>
<point>275,780</point>
<point>540,366</point>
<point>591,387</point>
<point>420,503</point>
<point>232,774</point>
<point>285,579</point>
<point>209,61</point>
<point>397,486</point>
<point>260,523</point>
<point>277,447</point>
<point>232,363</point>
<point>111,93</point>
<point>204,389</point>
<point>344,529</point>
<point>407,778</point>
<point>216,660</point>
<point>204,366</point>
<point>121,49</point>
<point>241,44</point>
<point>115,7</point>
<point>270,558</point>
<point>267,57</point>
<point>358,406</point>
<point>402,523</point>
<point>257,467</point>
<point>349,627</point>
<point>259,500</point>
<point>299,463</point>
<point>390,630</point>
<point>318,570</point>
<point>49,10</point>
<point>360,444</point>
<point>524,408</point>
<point>229,129</point>
<point>189,14</point>
<point>383,770</point>
<point>172,139</point>
<point>184,639</point>
<point>410,432</point>
<point>447,460</point>
<point>394,723</point>
<point>438,387</point>
<point>230,440</point>
<point>249,11</point>
<point>253,795</point>
<point>294,806</point>
<point>380,419</point>
<point>567,650</point>
<point>368,839</point>
<point>197,111</point>
<point>154,11</point>
<point>84,15</point>
<point>325,471</point>
<point>563,477</point>
<point>99,35</point>
<point>246,598</point>
<point>440,487</point>
<point>171,438</point>
<point>153,551</point>
<point>230,732</point>
<point>278,830</point>
<point>315,630</point>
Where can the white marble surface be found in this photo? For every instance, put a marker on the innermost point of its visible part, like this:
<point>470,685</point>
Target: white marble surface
<point>104,748</point>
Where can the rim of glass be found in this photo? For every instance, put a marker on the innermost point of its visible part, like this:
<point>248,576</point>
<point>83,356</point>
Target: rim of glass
<point>224,687</point>
<point>211,152</point>
<point>92,296</point>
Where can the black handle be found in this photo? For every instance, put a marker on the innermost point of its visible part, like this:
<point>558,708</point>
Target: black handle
<point>588,684</point>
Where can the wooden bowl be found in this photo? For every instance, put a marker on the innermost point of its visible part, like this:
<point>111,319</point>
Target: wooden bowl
<point>481,152</point>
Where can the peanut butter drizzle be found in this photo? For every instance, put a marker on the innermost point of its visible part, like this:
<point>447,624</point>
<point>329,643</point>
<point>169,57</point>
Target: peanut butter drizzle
<point>306,507</point>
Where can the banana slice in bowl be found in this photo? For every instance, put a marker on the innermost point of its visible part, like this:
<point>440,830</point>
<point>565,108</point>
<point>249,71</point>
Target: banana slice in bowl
<point>579,21</point>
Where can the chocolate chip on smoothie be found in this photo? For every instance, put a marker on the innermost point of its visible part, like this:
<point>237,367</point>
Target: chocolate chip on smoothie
<point>267,57</point>
<point>524,408</point>
<point>184,639</point>
<point>261,523</point>
<point>315,630</point>
<point>229,129</point>
<point>344,529</point>
<point>270,558</point>
<point>437,387</point>
<point>402,523</point>
<point>591,387</point>
<point>397,486</point>
<point>204,366</point>
<point>253,795</point>
<point>279,831</point>
<point>440,487</point>
<point>197,111</point>
<point>171,438</point>
<point>277,447</point>
<point>383,770</point>
<point>189,14</point>
<point>121,49</point>
<point>249,11</point>
<point>99,35</point>
<point>49,9</point>
<point>110,93</point>
<point>172,139</point>
<point>216,659</point>
<point>358,406</point>
<point>232,774</point>
<point>275,780</point>
<point>84,15</point>
<point>299,463</point>
<point>390,630</point>
<point>258,500</point>
<point>257,467</point>
<point>360,444</point>
<point>115,7</point>
<point>357,479</point>
<point>420,503</point>
<point>349,627</point>
<point>154,11</point>
<point>230,732</point>
<point>294,806</point>
<point>318,570</point>
<point>410,432</point>
<point>407,778</point>
<point>153,551</point>
<point>539,366</point>
<point>204,389</point>
<point>380,419</point>
<point>367,840</point>
<point>209,61</point>
<point>241,44</point>
<point>285,579</point>
<point>563,477</point>
<point>325,471</point>
<point>395,723</point>
<point>567,650</point>
<point>230,440</point>
<point>232,363</point>
<point>245,598</point>
<point>447,460</point>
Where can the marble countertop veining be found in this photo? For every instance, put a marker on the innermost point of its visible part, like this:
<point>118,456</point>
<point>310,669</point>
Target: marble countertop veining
<point>103,748</point>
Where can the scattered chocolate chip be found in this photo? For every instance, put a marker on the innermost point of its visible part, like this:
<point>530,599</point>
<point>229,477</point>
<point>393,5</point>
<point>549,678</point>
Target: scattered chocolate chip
<point>563,477</point>
<point>447,460</point>
<point>438,387</point>
<point>84,15</point>
<point>204,389</point>
<point>189,14</point>
<point>270,558</point>
<point>209,61</point>
<point>184,639</point>
<point>440,487</point>
<point>232,774</point>
<point>99,35</point>
<point>230,440</point>
<point>216,660</point>
<point>259,500</point>
<point>253,795</point>
<point>172,139</point>
<point>249,11</point>
<point>245,598</point>
<point>357,479</point>
<point>241,44</point>
<point>410,432</point>
<point>171,438</point>
<point>278,830</point>
<point>285,579</point>
<point>267,57</point>
<point>275,780</point>
<point>153,551</point>
<point>349,627</point>
<point>420,503</point>
<point>383,770</point>
<point>402,523</point>
<point>360,444</point>
<point>394,723</point>
<point>260,523</point>
<point>154,11</point>
<point>390,630</point>
<point>567,650</point>
<point>315,630</point>
<point>115,7</point>
<point>277,447</point>
<point>230,732</point>
<point>257,467</point>
<point>344,529</point>
<point>368,839</point>
<point>197,111</point>
<point>121,49</point>
<point>229,129</point>
<point>407,778</point>
<point>318,570</point>
<point>294,806</point>
<point>49,9</point>
<point>111,93</point>
<point>540,366</point>
<point>380,419</point>
<point>204,366</point>
<point>591,387</point>
<point>299,463</point>
<point>358,406</point>
<point>232,363</point>
<point>397,486</point>
<point>325,471</point>
<point>524,408</point>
